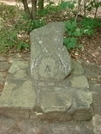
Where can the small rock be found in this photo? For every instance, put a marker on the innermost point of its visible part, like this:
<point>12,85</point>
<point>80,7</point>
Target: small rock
<point>17,66</point>
<point>79,82</point>
<point>77,68</point>
<point>11,59</point>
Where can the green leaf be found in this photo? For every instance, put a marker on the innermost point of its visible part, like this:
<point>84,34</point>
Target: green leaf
<point>64,5</point>
<point>70,27</point>
<point>88,31</point>
<point>22,45</point>
<point>78,32</point>
<point>70,42</point>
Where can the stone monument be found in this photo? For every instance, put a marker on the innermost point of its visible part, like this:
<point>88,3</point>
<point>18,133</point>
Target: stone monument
<point>50,60</point>
<point>52,76</point>
<point>55,88</point>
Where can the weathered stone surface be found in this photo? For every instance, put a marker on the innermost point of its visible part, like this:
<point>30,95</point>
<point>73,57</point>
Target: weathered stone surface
<point>77,68</point>
<point>82,115</point>
<point>20,97</point>
<point>26,56</point>
<point>53,116</point>
<point>5,124</point>
<point>18,90</point>
<point>21,126</point>
<point>14,57</point>
<point>55,99</point>
<point>79,82</point>
<point>82,101</point>
<point>69,103</point>
<point>17,66</point>
<point>49,58</point>
<point>4,66</point>
<point>97,124</point>
<point>15,113</point>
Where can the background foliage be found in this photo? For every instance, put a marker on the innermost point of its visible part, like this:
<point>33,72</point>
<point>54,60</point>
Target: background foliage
<point>80,18</point>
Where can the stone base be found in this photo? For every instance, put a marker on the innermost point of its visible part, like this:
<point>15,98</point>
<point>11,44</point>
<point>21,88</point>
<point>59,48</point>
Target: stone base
<point>70,100</point>
<point>62,104</point>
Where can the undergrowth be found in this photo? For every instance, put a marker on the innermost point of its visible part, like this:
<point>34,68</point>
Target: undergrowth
<point>15,27</point>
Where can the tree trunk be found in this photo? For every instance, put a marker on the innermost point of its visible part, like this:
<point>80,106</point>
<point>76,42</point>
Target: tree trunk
<point>95,15</point>
<point>78,10</point>
<point>26,8</point>
<point>85,3</point>
<point>34,9</point>
<point>40,4</point>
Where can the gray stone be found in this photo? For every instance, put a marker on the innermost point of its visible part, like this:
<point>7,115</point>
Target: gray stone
<point>4,66</point>
<point>26,56</point>
<point>77,68</point>
<point>49,58</point>
<point>18,97</point>
<point>18,66</point>
<point>15,112</point>
<point>82,101</point>
<point>79,82</point>
<point>57,103</point>
<point>52,101</point>
<point>5,124</point>
<point>14,57</point>
<point>97,124</point>
<point>18,90</point>
<point>9,126</point>
<point>55,100</point>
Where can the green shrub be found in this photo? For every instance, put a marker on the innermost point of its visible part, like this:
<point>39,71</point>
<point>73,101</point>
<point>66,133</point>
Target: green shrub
<point>75,30</point>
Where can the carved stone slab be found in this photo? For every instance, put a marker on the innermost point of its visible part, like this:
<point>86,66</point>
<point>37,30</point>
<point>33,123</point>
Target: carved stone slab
<point>48,65</point>
<point>49,58</point>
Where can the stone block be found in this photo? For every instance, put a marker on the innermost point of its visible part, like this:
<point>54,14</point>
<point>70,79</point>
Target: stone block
<point>70,103</point>
<point>96,124</point>
<point>18,92</point>
<point>54,116</point>
<point>49,58</point>
<point>79,82</point>
<point>77,68</point>
<point>55,99</point>
<point>22,99</point>
<point>15,113</point>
